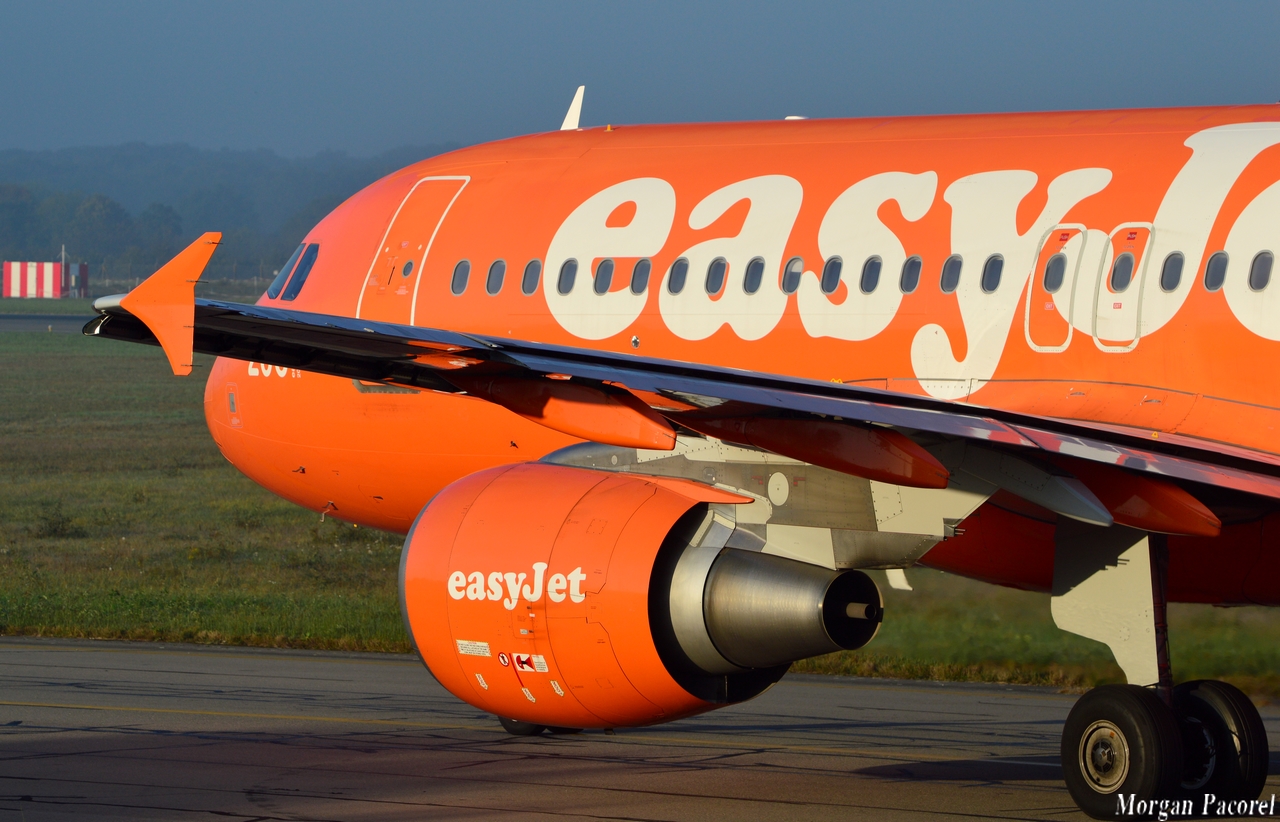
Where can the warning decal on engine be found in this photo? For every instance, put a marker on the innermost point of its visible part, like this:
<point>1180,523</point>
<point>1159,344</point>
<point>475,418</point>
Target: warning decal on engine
<point>531,663</point>
<point>468,648</point>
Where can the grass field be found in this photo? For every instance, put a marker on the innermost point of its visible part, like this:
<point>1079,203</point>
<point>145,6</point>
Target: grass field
<point>243,291</point>
<point>119,518</point>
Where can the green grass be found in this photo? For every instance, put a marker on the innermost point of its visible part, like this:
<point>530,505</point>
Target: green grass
<point>119,518</point>
<point>958,629</point>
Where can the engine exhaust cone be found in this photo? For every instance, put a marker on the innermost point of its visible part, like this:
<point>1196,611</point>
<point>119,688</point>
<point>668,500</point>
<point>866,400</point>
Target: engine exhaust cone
<point>763,610</point>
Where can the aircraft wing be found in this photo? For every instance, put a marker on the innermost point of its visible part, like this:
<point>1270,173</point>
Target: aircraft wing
<point>626,399</point>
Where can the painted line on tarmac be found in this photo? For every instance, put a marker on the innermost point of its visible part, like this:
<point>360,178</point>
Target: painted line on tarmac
<point>744,744</point>
<point>927,686</point>
<point>350,657</point>
<point>760,747</point>
<point>222,651</point>
<point>238,715</point>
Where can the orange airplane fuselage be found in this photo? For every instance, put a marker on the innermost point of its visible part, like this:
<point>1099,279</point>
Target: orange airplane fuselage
<point>1108,267</point>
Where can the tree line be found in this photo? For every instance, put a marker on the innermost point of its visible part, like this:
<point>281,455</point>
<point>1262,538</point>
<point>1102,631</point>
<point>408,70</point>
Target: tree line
<point>95,229</point>
<point>126,210</point>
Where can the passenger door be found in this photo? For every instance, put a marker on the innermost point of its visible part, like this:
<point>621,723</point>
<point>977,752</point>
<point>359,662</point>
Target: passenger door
<point>1051,292</point>
<point>391,286</point>
<point>1121,280</point>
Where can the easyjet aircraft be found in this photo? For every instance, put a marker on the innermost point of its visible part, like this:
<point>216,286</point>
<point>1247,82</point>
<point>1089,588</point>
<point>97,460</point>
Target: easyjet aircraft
<point>649,400</point>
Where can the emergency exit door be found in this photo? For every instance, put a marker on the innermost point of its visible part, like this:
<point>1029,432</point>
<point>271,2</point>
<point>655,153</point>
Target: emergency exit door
<point>1122,277</point>
<point>1051,292</point>
<point>391,284</point>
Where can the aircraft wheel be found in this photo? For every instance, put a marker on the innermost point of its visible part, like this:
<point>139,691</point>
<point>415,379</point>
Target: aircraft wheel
<point>1120,740</point>
<point>516,727</point>
<point>1223,738</point>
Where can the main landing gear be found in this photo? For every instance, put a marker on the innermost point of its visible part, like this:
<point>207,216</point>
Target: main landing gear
<point>1122,743</point>
<point>1126,745</point>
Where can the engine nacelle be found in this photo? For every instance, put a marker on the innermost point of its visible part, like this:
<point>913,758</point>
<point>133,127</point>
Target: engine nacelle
<point>578,598</point>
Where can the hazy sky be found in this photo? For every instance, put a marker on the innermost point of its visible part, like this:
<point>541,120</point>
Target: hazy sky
<point>299,78</point>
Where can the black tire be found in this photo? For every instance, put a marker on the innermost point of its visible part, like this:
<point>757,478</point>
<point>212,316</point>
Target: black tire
<point>516,727</point>
<point>1224,740</point>
<point>1120,740</point>
<point>557,730</point>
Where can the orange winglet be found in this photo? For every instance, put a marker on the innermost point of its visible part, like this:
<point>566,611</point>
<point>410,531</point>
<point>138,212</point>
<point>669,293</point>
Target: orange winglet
<point>880,454</point>
<point>166,301</point>
<point>1144,502</point>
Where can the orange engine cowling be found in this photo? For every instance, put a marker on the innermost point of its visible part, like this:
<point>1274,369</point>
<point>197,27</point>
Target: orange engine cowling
<point>578,598</point>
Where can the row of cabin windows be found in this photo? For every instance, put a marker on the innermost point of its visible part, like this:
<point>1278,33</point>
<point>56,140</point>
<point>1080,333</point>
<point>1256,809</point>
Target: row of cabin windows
<point>1215,271</point>
<point>717,272</point>
<point>1055,269</point>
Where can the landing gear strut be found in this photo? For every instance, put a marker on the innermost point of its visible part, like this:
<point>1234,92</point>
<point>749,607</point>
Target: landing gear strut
<point>1127,743</point>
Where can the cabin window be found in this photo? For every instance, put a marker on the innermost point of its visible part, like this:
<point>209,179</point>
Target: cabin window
<point>991,271</point>
<point>1215,271</point>
<point>497,272</point>
<point>676,277</point>
<point>870,275</point>
<point>831,275</point>
<point>273,290</point>
<point>568,274</point>
<point>1055,273</point>
<point>715,275</point>
<point>755,275</point>
<point>1260,270</point>
<point>1122,272</point>
<point>910,279</point>
<point>640,275</point>
<point>407,270</point>
<point>791,275</point>
<point>461,273</point>
<point>950,279</point>
<point>1171,271</point>
<point>299,278</point>
<point>604,276</point>
<point>532,273</point>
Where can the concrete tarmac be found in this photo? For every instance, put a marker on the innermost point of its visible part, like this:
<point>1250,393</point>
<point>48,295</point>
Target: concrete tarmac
<point>55,323</point>
<point>118,730</point>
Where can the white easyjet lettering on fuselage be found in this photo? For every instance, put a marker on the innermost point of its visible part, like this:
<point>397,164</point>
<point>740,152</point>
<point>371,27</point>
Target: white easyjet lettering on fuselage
<point>509,587</point>
<point>984,209</point>
<point>257,369</point>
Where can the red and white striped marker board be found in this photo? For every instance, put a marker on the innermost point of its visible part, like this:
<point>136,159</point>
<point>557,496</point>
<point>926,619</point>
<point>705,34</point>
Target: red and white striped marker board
<point>45,280</point>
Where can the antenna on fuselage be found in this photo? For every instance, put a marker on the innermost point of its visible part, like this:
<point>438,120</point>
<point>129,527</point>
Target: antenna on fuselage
<point>575,111</point>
